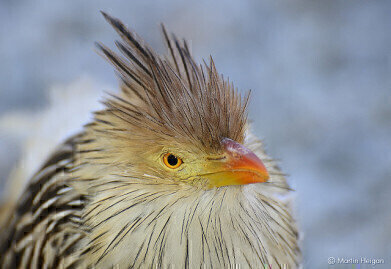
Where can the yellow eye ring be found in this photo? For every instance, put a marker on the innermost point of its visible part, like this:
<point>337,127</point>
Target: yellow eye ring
<point>172,161</point>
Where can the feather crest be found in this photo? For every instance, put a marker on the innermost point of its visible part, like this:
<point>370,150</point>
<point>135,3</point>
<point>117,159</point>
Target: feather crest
<point>174,98</point>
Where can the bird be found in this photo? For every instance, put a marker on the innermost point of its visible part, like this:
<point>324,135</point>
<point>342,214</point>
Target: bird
<point>167,175</point>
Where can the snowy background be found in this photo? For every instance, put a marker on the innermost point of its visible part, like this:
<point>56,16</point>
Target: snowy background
<point>320,74</point>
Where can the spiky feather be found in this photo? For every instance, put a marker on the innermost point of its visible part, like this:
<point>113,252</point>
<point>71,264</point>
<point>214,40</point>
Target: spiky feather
<point>176,98</point>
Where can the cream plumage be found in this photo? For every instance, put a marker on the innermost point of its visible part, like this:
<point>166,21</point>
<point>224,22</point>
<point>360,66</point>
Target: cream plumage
<point>158,179</point>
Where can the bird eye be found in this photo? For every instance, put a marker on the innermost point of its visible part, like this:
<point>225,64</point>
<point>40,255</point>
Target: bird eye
<point>172,161</point>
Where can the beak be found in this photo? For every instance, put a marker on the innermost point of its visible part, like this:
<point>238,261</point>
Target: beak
<point>239,166</point>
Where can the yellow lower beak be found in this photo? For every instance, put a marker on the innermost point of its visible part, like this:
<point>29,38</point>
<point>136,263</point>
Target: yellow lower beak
<point>239,167</point>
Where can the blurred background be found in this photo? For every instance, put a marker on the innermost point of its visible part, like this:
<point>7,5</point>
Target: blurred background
<point>319,71</point>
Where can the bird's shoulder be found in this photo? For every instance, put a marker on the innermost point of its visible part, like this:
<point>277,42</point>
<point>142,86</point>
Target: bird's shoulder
<point>45,223</point>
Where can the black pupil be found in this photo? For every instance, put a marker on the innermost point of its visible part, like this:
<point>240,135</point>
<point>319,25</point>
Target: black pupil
<point>172,160</point>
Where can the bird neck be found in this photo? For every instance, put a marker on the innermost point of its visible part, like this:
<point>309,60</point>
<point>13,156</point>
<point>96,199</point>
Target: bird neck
<point>134,224</point>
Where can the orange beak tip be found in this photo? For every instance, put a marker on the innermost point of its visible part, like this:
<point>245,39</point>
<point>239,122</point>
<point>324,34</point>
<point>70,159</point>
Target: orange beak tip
<point>243,164</point>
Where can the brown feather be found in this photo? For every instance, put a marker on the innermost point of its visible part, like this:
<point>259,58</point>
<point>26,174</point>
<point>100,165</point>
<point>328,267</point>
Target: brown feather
<point>173,99</point>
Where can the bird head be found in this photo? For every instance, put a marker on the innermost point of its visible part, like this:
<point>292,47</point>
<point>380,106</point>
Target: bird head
<point>174,122</point>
